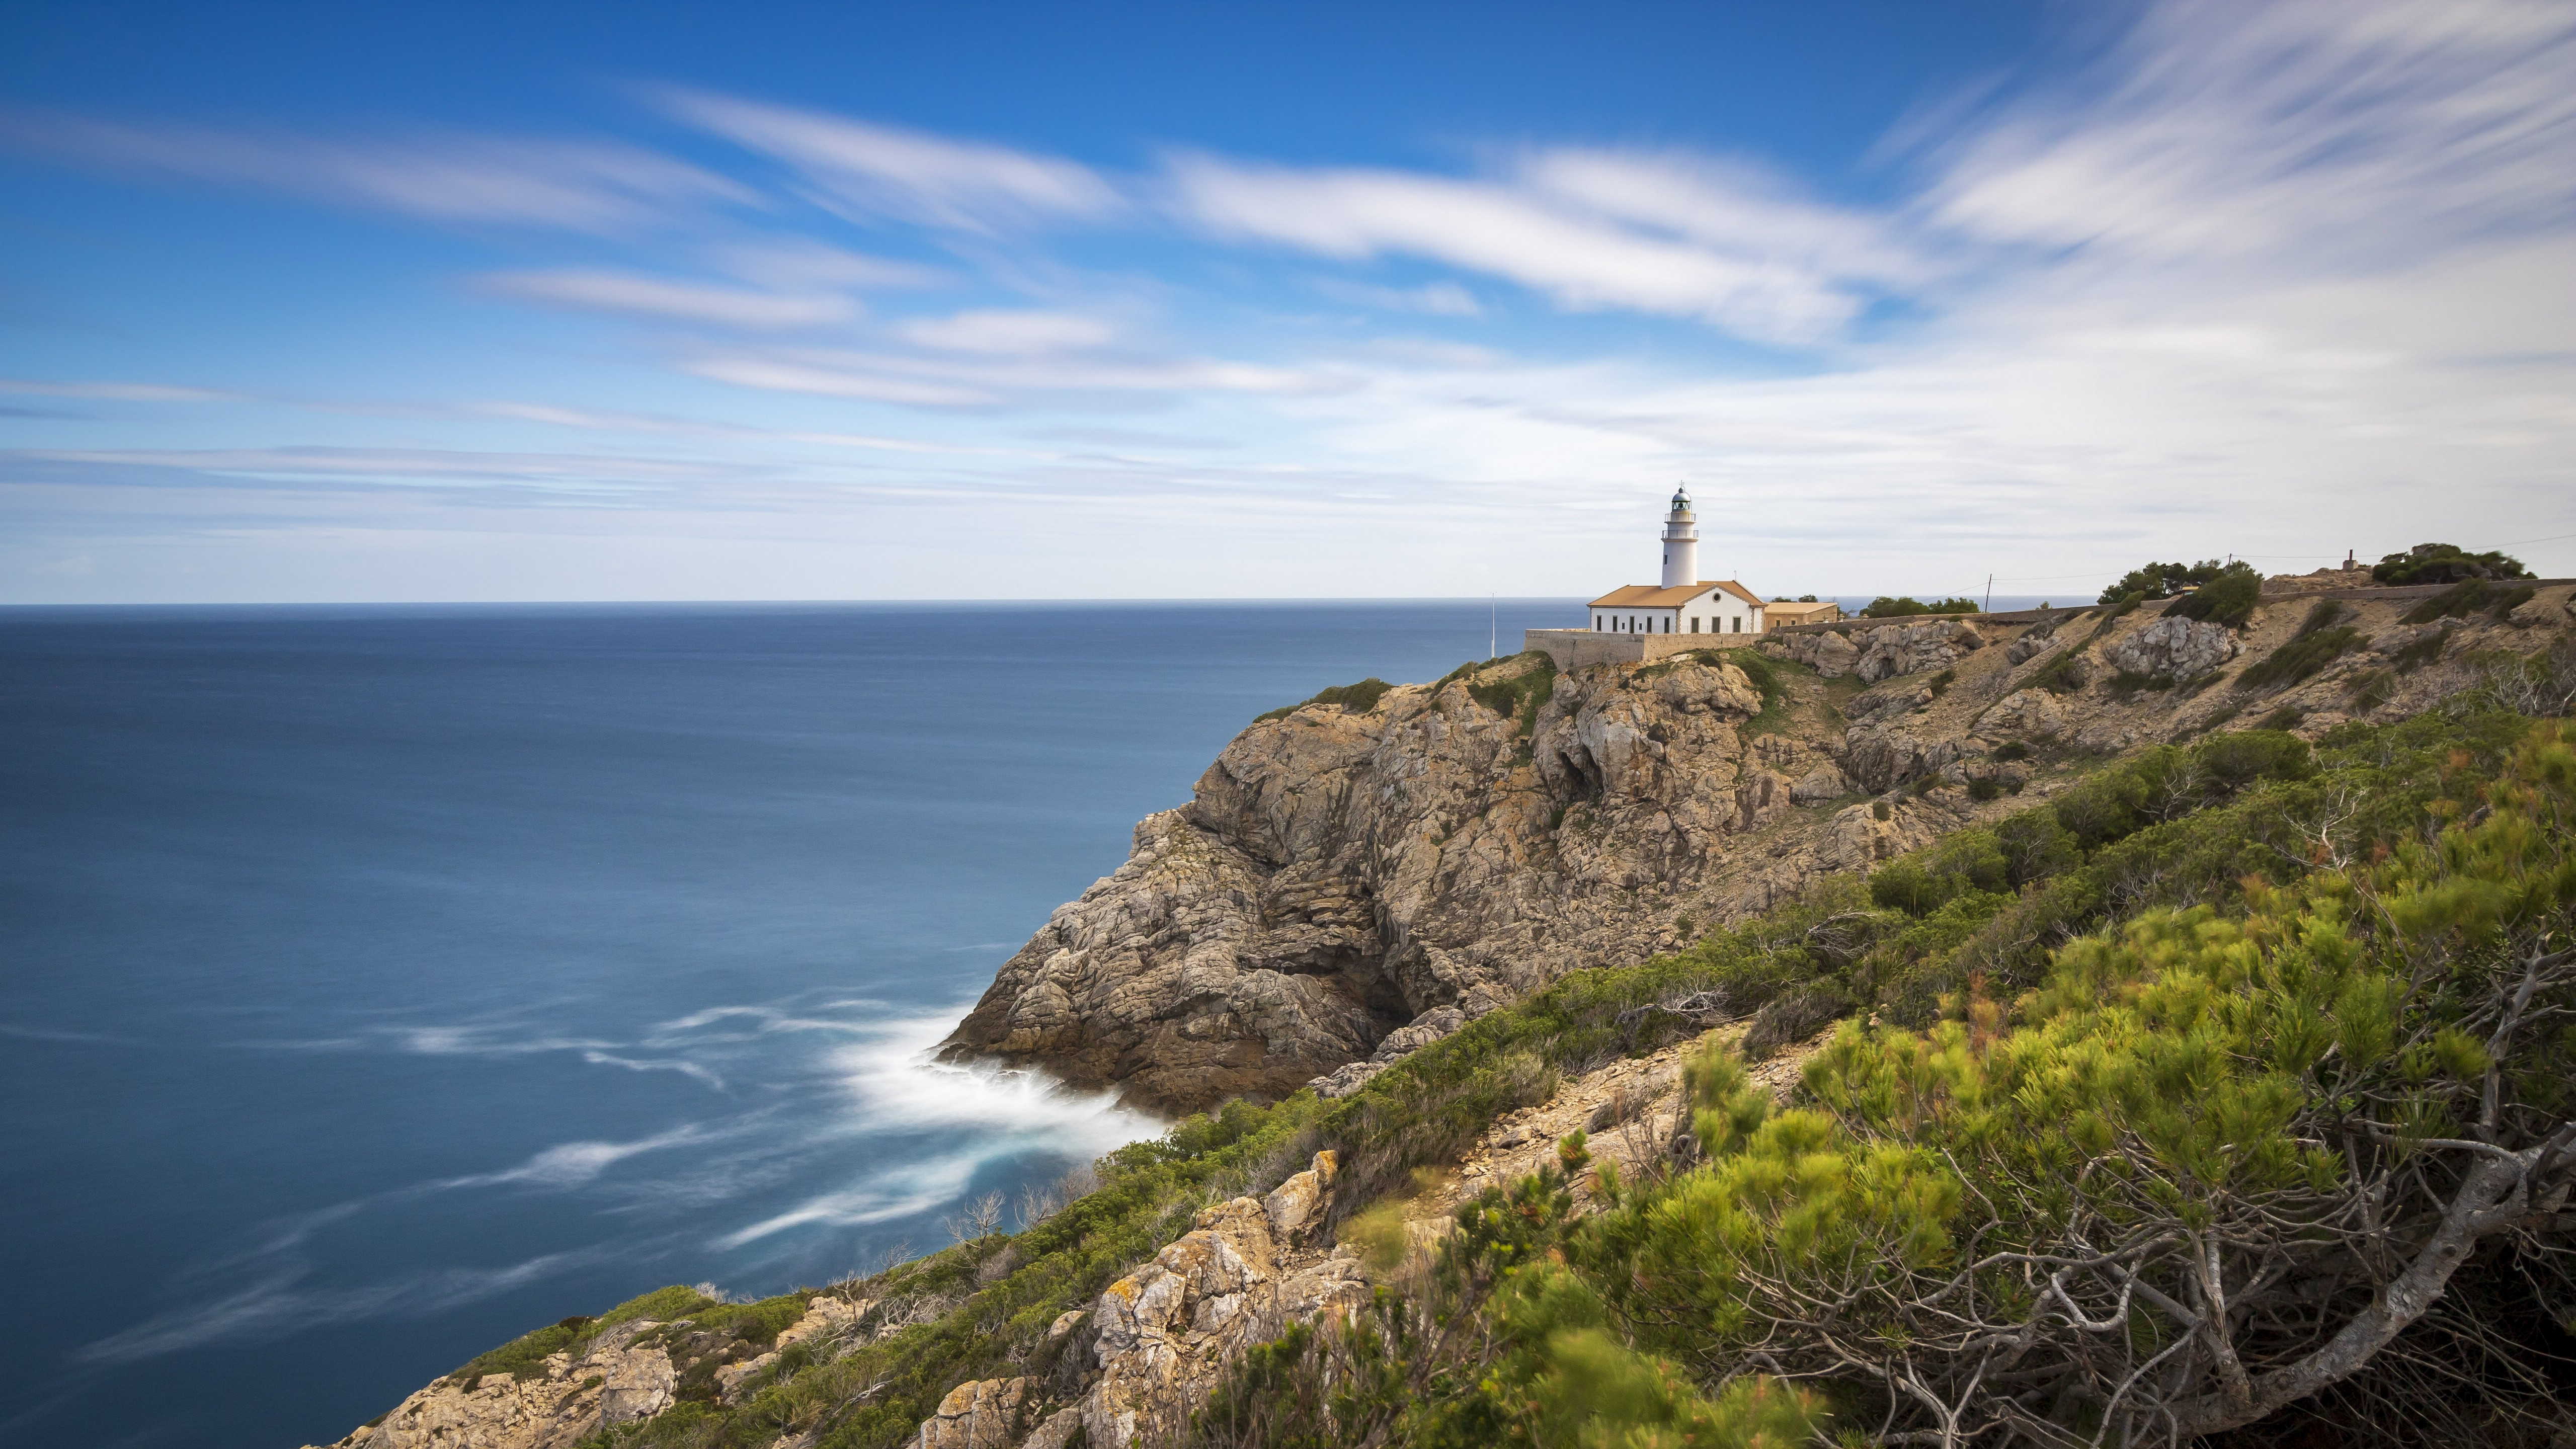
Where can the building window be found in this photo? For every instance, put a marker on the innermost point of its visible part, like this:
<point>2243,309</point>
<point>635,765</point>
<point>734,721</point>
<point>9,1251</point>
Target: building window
<point>1735,626</point>
<point>1694,623</point>
<point>1596,623</point>
<point>1668,623</point>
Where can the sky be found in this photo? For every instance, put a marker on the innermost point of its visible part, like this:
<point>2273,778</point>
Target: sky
<point>475,302</point>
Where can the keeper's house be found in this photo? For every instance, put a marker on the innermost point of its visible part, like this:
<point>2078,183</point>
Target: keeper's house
<point>1649,621</point>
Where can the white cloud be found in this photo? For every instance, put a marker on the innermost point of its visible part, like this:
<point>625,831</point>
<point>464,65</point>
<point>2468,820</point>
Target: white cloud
<point>1510,230</point>
<point>907,175</point>
<point>1016,333</point>
<point>581,186</point>
<point>797,263</point>
<point>662,299</point>
<point>1443,298</point>
<point>116,391</point>
<point>2299,133</point>
<point>998,376</point>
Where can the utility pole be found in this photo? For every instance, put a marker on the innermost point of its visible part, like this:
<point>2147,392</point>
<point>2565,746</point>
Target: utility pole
<point>1990,594</point>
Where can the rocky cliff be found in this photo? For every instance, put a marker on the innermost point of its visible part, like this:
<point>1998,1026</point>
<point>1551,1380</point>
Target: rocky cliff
<point>1346,883</point>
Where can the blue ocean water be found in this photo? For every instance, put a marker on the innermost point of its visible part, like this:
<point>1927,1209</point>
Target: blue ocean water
<point>377,984</point>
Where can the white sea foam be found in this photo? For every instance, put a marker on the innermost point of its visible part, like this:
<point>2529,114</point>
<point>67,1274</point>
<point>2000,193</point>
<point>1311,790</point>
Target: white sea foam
<point>894,1085</point>
<point>277,1304</point>
<point>573,1164</point>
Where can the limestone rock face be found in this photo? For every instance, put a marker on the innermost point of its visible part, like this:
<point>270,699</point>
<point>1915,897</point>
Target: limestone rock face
<point>614,1383</point>
<point>1338,875</point>
<point>2174,648</point>
<point>1168,1329</point>
<point>1819,785</point>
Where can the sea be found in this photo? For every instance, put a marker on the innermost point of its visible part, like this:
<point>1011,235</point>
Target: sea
<point>379,983</point>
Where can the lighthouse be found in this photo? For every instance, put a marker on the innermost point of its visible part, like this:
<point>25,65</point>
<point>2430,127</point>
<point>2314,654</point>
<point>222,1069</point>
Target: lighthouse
<point>1681,543</point>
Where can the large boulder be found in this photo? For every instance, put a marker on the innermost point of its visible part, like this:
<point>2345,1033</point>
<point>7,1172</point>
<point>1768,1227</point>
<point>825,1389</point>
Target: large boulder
<point>1819,785</point>
<point>2024,714</point>
<point>1877,759</point>
<point>1425,1029</point>
<point>2174,649</point>
<point>1828,652</point>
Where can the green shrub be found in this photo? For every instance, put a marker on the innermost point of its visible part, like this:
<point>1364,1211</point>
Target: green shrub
<point>2128,682</point>
<point>1984,788</point>
<point>2064,674</point>
<point>1940,683</point>
<point>2422,652</point>
<point>1357,698</point>
<point>2228,599</point>
<point>2372,688</point>
<point>1520,696</point>
<point>524,1357</point>
<point>1905,607</point>
<point>2161,580</point>
<point>2299,659</point>
<point>2445,563</point>
<point>2012,750</point>
<point>2469,596</point>
<point>2287,717</point>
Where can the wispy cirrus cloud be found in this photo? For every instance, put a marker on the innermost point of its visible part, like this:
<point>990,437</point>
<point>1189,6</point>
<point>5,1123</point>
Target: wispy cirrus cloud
<point>565,473</point>
<point>893,173</point>
<point>574,185</point>
<point>1583,245</point>
<point>1024,377</point>
<point>2300,133</point>
<point>1015,333</point>
<point>664,299</point>
<point>116,391</point>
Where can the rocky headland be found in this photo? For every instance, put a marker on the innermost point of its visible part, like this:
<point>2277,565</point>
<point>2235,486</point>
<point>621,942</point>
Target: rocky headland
<point>1347,883</point>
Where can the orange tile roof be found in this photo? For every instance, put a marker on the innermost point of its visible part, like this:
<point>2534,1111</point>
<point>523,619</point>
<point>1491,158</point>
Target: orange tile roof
<point>1648,596</point>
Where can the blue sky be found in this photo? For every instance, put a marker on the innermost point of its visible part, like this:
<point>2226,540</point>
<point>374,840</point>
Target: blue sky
<point>656,302</point>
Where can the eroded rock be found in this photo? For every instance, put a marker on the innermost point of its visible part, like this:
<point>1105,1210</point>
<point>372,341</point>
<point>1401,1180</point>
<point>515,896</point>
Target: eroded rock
<point>2174,649</point>
<point>613,1383</point>
<point>984,1414</point>
<point>1167,1330</point>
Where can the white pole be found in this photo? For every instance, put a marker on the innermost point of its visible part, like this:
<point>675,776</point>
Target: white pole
<point>1990,593</point>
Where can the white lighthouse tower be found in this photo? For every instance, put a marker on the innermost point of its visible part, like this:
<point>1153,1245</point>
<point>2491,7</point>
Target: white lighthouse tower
<point>1681,544</point>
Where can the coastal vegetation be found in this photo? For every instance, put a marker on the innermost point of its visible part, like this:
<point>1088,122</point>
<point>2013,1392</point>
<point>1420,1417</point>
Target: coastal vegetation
<point>2141,1095</point>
